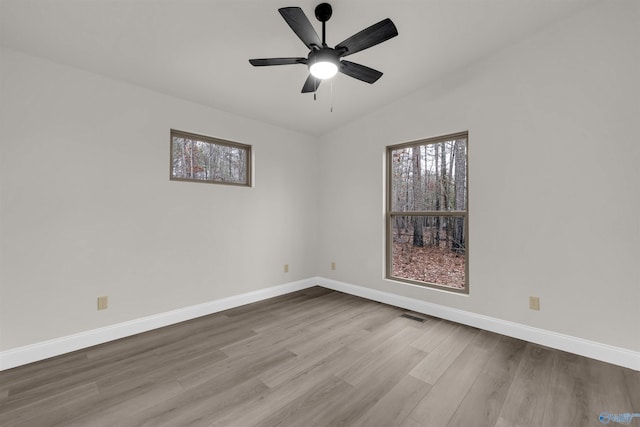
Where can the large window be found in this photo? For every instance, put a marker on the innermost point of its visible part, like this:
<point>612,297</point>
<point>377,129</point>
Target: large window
<point>205,159</point>
<point>427,230</point>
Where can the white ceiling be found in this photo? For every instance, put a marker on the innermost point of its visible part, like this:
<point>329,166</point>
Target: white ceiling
<point>198,49</point>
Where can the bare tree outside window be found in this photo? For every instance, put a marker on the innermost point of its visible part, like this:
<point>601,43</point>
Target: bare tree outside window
<point>427,212</point>
<point>204,159</point>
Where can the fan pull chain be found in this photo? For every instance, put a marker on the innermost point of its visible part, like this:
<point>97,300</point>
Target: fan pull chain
<point>331,95</point>
<point>315,89</point>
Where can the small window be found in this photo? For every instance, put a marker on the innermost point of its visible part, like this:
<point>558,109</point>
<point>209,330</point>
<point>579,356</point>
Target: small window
<point>427,227</point>
<point>204,159</point>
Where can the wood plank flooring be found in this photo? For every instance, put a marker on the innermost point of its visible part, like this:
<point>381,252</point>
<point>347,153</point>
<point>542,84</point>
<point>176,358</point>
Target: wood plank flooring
<point>316,358</point>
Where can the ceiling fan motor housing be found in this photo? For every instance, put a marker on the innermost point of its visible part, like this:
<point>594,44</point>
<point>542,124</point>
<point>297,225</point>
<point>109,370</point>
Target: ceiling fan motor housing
<point>326,54</point>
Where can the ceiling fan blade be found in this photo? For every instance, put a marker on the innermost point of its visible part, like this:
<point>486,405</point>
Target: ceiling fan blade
<point>359,72</point>
<point>277,61</point>
<point>311,84</point>
<point>300,25</point>
<point>371,36</point>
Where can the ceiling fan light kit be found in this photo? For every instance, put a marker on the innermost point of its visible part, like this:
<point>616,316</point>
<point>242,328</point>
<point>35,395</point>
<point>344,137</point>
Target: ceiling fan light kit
<point>325,62</point>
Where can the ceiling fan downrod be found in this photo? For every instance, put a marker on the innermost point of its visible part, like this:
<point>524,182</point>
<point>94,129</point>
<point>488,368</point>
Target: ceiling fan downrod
<point>323,14</point>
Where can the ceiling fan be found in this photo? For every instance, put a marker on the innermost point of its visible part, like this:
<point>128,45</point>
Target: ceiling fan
<point>324,62</point>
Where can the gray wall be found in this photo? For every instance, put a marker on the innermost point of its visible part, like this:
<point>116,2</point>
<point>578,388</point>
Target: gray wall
<point>553,179</point>
<point>87,208</point>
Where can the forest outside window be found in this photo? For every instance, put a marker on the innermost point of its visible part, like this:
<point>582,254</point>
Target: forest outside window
<point>427,227</point>
<point>201,158</point>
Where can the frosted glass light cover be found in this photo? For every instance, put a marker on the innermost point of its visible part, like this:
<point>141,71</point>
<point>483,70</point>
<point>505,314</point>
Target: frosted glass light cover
<point>323,69</point>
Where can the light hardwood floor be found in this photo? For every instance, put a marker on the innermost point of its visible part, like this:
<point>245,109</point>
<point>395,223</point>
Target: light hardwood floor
<point>316,358</point>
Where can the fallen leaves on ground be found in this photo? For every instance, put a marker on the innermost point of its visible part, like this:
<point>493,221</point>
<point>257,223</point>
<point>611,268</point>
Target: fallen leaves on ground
<point>428,264</point>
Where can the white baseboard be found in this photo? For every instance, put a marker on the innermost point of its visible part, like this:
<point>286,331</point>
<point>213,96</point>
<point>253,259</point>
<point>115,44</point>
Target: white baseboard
<point>606,353</point>
<point>55,347</point>
<point>43,350</point>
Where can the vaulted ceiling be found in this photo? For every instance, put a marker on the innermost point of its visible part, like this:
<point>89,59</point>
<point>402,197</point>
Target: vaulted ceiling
<point>198,49</point>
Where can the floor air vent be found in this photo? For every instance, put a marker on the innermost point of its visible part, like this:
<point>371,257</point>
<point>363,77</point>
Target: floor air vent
<point>417,319</point>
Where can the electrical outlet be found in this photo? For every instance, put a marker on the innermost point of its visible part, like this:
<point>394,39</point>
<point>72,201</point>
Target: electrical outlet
<point>534,303</point>
<point>286,268</point>
<point>333,265</point>
<point>103,303</point>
